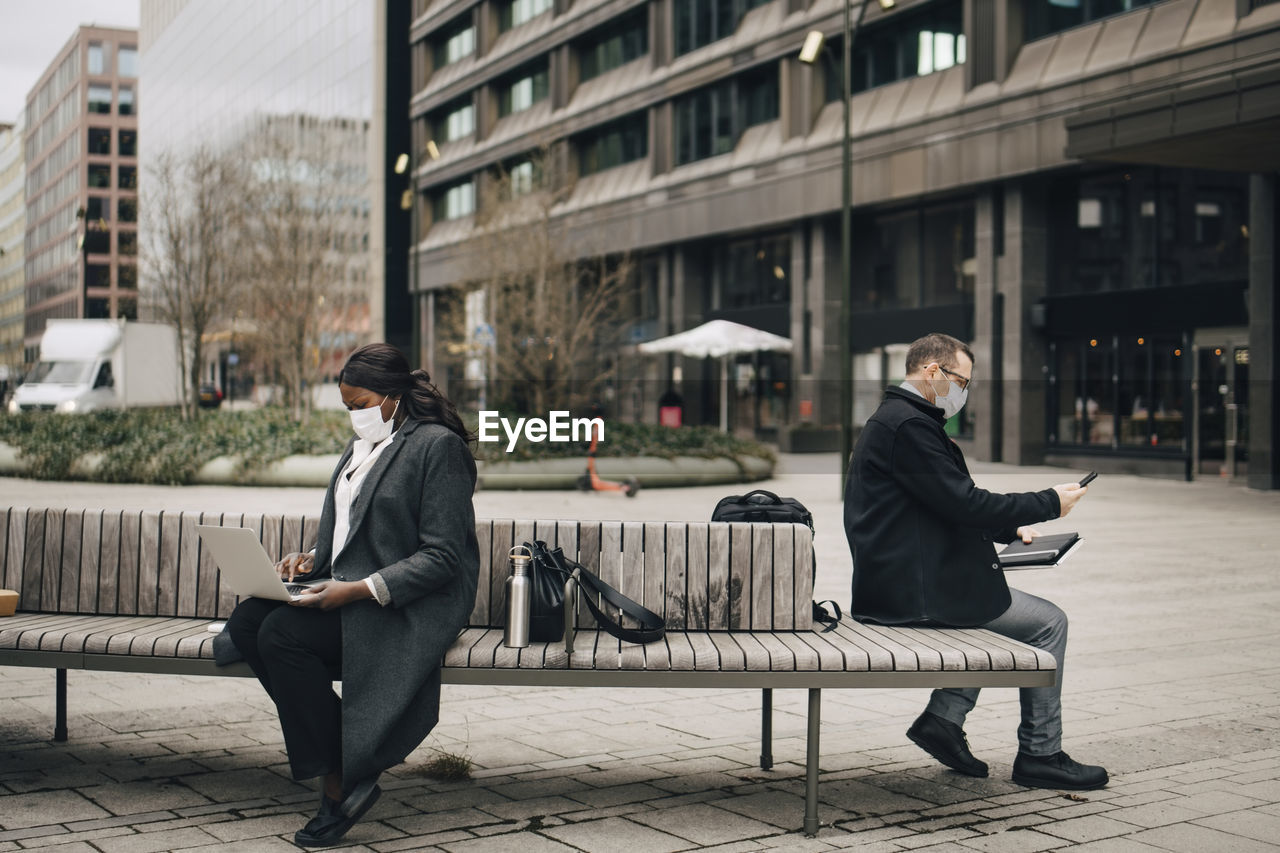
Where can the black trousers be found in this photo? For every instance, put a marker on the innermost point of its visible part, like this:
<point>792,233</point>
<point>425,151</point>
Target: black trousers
<point>296,652</point>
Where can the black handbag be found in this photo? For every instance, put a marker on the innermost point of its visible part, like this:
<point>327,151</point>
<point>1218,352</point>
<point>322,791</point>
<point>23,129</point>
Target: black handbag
<point>765,506</point>
<point>552,563</point>
<point>546,595</point>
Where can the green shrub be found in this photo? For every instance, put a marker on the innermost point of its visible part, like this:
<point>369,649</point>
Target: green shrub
<point>156,446</point>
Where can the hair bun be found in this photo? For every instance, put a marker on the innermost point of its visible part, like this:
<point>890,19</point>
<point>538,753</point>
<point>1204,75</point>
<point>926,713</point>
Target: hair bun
<point>421,375</point>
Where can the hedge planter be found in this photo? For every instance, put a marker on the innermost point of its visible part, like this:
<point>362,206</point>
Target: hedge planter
<point>562,473</point>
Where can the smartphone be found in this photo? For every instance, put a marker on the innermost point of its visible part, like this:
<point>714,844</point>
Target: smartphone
<point>1088,478</point>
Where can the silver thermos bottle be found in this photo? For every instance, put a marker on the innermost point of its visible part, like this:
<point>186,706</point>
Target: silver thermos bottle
<point>516,633</point>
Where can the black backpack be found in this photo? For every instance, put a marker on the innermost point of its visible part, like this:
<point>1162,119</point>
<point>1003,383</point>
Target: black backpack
<point>765,506</point>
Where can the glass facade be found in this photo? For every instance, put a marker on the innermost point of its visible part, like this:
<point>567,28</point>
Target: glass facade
<point>513,13</point>
<point>700,22</point>
<point>621,41</point>
<point>1046,17</point>
<point>914,258</point>
<point>1144,227</point>
<point>709,121</point>
<point>455,42</point>
<point>523,89</point>
<point>612,144</point>
<point>455,202</point>
<point>910,45</point>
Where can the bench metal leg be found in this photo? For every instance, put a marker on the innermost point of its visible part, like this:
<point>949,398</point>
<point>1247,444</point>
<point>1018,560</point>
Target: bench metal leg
<point>811,764</point>
<point>60,706</point>
<point>766,728</point>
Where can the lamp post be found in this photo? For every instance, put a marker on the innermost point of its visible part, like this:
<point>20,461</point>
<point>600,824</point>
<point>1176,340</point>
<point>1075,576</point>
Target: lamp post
<point>809,54</point>
<point>408,201</point>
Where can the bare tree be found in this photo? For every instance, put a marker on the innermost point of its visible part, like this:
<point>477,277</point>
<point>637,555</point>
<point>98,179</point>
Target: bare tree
<point>555,304</point>
<point>307,225</point>
<point>191,219</point>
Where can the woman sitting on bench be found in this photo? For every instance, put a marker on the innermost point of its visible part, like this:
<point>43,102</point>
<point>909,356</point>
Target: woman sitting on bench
<point>397,547</point>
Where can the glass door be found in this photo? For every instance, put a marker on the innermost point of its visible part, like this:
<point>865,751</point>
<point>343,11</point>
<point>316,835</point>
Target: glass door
<point>1222,405</point>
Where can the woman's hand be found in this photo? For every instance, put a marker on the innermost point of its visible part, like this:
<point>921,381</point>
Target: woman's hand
<point>328,595</point>
<point>1026,534</point>
<point>296,565</point>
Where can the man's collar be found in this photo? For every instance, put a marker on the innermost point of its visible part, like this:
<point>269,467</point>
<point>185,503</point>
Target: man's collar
<point>913,396</point>
<point>911,386</point>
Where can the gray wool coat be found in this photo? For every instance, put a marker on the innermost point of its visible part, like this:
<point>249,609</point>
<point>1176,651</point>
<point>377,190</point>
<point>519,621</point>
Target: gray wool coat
<point>413,521</point>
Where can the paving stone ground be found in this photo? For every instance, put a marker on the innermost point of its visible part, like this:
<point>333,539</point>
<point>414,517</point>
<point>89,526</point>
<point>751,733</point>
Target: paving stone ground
<point>1172,682</point>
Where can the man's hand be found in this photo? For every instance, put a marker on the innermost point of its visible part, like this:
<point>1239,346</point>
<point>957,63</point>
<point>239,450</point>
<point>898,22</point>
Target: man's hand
<point>1026,534</point>
<point>328,595</point>
<point>1068,494</point>
<point>295,565</point>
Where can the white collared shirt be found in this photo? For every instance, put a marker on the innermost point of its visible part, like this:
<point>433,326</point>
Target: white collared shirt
<point>347,489</point>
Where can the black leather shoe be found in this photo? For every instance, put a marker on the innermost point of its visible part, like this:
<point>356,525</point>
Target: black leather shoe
<point>946,742</point>
<point>330,824</point>
<point>360,798</point>
<point>1058,771</point>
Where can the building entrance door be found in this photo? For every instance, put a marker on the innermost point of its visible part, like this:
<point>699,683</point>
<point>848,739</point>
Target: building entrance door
<point>1221,393</point>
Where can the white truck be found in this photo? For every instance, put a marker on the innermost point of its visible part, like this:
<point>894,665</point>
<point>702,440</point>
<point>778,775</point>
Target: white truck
<point>102,364</point>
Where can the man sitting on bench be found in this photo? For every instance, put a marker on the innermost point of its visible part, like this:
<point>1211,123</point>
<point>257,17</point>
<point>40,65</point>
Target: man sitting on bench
<point>921,534</point>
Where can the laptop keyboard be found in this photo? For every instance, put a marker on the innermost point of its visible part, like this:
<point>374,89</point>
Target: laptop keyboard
<point>295,588</point>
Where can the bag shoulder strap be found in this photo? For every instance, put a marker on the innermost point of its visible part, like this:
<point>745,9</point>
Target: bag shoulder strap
<point>652,626</point>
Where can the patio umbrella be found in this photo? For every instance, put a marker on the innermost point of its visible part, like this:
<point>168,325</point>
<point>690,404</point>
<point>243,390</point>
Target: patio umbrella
<point>718,339</point>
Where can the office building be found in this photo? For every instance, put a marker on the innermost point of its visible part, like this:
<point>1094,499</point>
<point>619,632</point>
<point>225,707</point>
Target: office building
<point>1084,190</point>
<point>227,77</point>
<point>13,225</point>
<point>81,153</point>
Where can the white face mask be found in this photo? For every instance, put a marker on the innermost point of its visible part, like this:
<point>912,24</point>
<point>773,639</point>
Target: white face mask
<point>369,425</point>
<point>952,401</point>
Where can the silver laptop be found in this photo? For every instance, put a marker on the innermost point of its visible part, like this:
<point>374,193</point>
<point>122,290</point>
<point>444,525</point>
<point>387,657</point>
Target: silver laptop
<point>245,564</point>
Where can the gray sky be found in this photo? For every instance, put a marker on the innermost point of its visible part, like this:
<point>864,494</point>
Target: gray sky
<point>33,31</point>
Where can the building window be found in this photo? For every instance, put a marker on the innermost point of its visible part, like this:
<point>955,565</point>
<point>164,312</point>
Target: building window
<point>700,22</point>
<point>100,99</point>
<point>455,42</point>
<point>1119,391</point>
<point>127,242</point>
<point>758,271</point>
<point>97,275</point>
<point>455,121</point>
<point>455,202</point>
<point>1141,227</point>
<point>97,309</point>
<point>127,209</point>
<point>612,144</point>
<point>128,143</point>
<point>913,258</point>
<point>97,239</point>
<point>609,47</point>
<point>1046,17</point>
<point>99,140</point>
<point>99,176</point>
<point>97,208</point>
<point>98,57</point>
<point>127,61</point>
<point>127,307</point>
<point>128,176</point>
<point>522,178</point>
<point>523,89</point>
<point>126,100</point>
<point>910,45</point>
<point>709,121</point>
<point>127,276</point>
<point>517,12</point>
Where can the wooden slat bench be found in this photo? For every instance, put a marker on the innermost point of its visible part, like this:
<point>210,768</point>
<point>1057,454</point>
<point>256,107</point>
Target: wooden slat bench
<point>135,592</point>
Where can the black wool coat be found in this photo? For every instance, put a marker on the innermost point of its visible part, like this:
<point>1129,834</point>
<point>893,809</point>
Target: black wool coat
<point>414,523</point>
<point>920,531</point>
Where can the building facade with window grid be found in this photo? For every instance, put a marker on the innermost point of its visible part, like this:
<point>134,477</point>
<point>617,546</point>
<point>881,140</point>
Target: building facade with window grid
<point>1084,191</point>
<point>13,226</point>
<point>81,184</point>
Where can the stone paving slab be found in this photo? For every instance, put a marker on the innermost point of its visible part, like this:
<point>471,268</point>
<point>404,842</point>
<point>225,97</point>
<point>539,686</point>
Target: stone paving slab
<point>1172,681</point>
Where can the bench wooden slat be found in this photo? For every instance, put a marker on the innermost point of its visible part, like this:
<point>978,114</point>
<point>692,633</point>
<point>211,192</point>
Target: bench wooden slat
<point>739,576</point>
<point>31,637</point>
<point>482,653</point>
<point>271,535</point>
<point>762,578</point>
<point>130,537</point>
<point>879,658</point>
<point>680,651</point>
<point>310,532</point>
<point>145,643</point>
<point>1024,657</point>
<point>69,569</point>
<point>97,637</point>
<point>484,543</point>
<point>590,537</point>
<point>655,566</point>
<point>90,561</point>
<point>928,658</point>
<point>732,658</point>
<point>11,628</point>
<point>657,656</point>
<point>697,595</point>
<point>584,649</point>
<point>109,564</point>
<point>459,653</point>
<point>566,538</point>
<point>77,637</point>
<point>5,550</point>
<point>758,657</point>
<point>676,593</point>
<point>187,597</point>
<point>805,655</point>
<point>904,658</point>
<point>198,644</point>
<point>16,576</point>
<point>49,552</point>
<point>149,564</point>
<point>955,655</point>
<point>291,535</point>
<point>706,655</point>
<point>52,640</point>
<point>834,655</point>
<point>802,575</point>
<point>167,568</point>
<point>979,657</point>
<point>717,578</point>
<point>503,540</point>
<point>204,576</point>
<point>168,645</point>
<point>784,606</point>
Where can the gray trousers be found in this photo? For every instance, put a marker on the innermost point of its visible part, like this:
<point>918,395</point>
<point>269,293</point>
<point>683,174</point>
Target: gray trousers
<point>1038,623</point>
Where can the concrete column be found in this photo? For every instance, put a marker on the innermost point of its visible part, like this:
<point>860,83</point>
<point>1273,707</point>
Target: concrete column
<point>1264,342</point>
<point>983,401</point>
<point>827,293</point>
<point>809,384</point>
<point>1022,279</point>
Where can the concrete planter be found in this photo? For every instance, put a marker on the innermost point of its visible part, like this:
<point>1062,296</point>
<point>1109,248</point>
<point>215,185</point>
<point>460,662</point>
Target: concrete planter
<point>651,471</point>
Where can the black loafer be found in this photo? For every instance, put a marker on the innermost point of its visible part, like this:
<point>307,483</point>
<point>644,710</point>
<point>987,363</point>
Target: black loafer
<point>1058,771</point>
<point>360,798</point>
<point>329,825</point>
<point>946,742</point>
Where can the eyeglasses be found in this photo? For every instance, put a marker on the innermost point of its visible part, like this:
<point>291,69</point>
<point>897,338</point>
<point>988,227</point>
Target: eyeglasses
<point>965,381</point>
